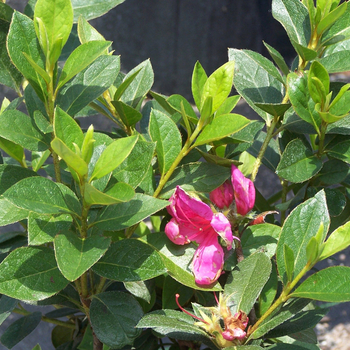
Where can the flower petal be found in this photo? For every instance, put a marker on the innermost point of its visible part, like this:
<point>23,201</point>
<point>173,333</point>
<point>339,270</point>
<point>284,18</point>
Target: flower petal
<point>208,261</point>
<point>222,227</point>
<point>172,230</point>
<point>222,196</point>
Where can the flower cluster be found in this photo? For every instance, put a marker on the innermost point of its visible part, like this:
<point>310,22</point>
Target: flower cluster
<point>194,221</point>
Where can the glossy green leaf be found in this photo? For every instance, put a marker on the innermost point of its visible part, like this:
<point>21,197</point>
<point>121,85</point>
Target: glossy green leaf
<point>177,260</point>
<point>247,280</point>
<point>13,150</point>
<point>289,261</point>
<point>43,228</point>
<point>22,38</point>
<point>120,192</point>
<point>165,132</point>
<point>256,79</point>
<point>141,289</point>
<point>337,241</point>
<point>220,127</point>
<point>302,224</point>
<point>200,177</point>
<point>87,32</point>
<point>134,168</point>
<point>57,18</point>
<point>336,57</point>
<point>275,109</point>
<point>294,17</point>
<point>218,86</point>
<point>296,345</point>
<point>176,101</point>
<point>228,105</point>
<point>6,306</point>
<point>113,156</point>
<point>127,114</point>
<point>199,77</point>
<point>140,86</point>
<point>130,260</point>
<point>70,198</point>
<point>331,18</point>
<point>300,98</point>
<point>31,273</point>
<point>37,347</point>
<point>9,75</point>
<point>127,80</point>
<point>115,310</point>
<point>304,52</point>
<point>67,129</point>
<point>75,255</point>
<point>72,159</point>
<point>19,329</point>
<point>330,284</point>
<point>262,237</point>
<point>90,9</point>
<point>10,213</point>
<point>37,194</point>
<point>170,289</point>
<point>80,58</point>
<point>333,172</point>
<point>278,58</point>
<point>298,163</point>
<point>341,151</point>
<point>124,215</point>
<point>39,158</point>
<point>88,84</point>
<point>17,127</point>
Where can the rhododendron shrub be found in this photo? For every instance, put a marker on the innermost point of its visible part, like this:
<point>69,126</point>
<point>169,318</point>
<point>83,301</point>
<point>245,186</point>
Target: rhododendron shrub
<point>154,234</point>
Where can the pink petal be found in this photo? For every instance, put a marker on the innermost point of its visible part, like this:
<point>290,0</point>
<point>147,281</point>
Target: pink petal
<point>222,196</point>
<point>244,191</point>
<point>173,232</point>
<point>222,227</point>
<point>208,261</point>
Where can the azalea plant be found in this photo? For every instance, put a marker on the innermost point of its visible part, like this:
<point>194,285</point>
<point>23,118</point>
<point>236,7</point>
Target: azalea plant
<point>152,234</point>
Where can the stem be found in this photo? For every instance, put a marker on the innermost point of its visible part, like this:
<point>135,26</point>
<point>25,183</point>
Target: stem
<point>284,184</point>
<point>321,138</point>
<point>101,284</point>
<point>269,135</point>
<point>97,344</point>
<point>239,251</point>
<point>46,319</point>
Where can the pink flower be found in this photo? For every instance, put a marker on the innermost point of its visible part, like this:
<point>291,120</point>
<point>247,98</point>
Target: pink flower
<point>240,189</point>
<point>194,221</point>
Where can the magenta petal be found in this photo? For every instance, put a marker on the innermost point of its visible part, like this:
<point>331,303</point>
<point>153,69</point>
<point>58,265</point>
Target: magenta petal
<point>208,261</point>
<point>173,232</point>
<point>244,191</point>
<point>222,196</point>
<point>222,226</point>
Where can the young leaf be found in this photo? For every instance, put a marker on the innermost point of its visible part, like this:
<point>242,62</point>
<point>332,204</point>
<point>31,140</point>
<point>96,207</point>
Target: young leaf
<point>331,18</point>
<point>130,260</point>
<point>127,114</point>
<point>87,32</point>
<point>199,77</point>
<point>31,273</point>
<point>111,310</point>
<point>75,255</point>
<point>13,150</point>
<point>288,263</point>
<point>165,132</point>
<point>278,58</point>
<point>80,58</point>
<point>113,156</point>
<point>336,57</point>
<point>229,104</point>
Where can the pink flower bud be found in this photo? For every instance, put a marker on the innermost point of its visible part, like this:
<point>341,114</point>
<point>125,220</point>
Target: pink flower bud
<point>244,191</point>
<point>222,196</point>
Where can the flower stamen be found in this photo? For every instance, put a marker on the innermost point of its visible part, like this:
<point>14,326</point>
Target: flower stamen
<point>186,312</point>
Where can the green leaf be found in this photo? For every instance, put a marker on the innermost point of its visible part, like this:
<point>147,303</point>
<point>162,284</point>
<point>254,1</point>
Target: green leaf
<point>165,132</point>
<point>218,86</point>
<point>39,158</point>
<point>37,347</point>
<point>289,261</point>
<point>13,150</point>
<point>330,284</point>
<point>113,156</point>
<point>247,280</point>
<point>127,80</point>
<point>318,75</point>
<point>57,18</point>
<point>75,255</point>
<point>278,58</point>
<point>134,168</point>
<point>304,52</point>
<point>336,242</point>
<point>87,32</point>
<point>336,57</point>
<point>199,77</point>
<point>90,9</point>
<point>220,127</point>
<point>72,159</point>
<point>197,177</point>
<point>275,109</point>
<point>298,163</point>
<point>294,17</point>
<point>331,18</point>
<point>9,213</point>
<point>228,105</point>
<point>80,58</point>
<point>177,101</point>
<point>31,273</point>
<point>9,75</point>
<point>140,86</point>
<point>301,100</point>
<point>17,127</point>
<point>67,129</point>
<point>124,215</point>
<point>177,260</point>
<point>115,310</point>
<point>130,260</point>
<point>141,289</point>
<point>19,329</point>
<point>37,194</point>
<point>341,151</point>
<point>127,114</point>
<point>43,228</point>
<point>170,289</point>
<point>333,172</point>
<point>88,84</point>
<point>262,237</point>
<point>302,224</point>
<point>256,79</point>
<point>22,38</point>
